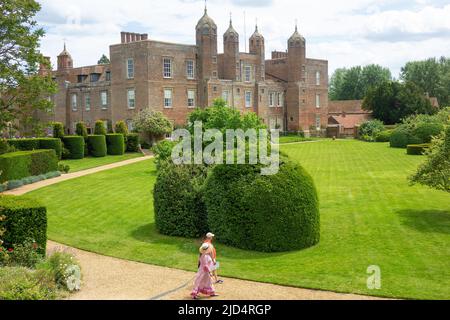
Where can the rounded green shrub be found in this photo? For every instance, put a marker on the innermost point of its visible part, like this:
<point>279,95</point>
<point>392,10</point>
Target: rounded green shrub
<point>273,213</point>
<point>178,205</point>
<point>417,149</point>
<point>75,146</point>
<point>97,145</point>
<point>115,144</point>
<point>383,136</point>
<point>426,131</point>
<point>132,142</point>
<point>401,137</point>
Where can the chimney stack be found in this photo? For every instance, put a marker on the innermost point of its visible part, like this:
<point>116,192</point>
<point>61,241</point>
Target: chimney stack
<point>127,37</point>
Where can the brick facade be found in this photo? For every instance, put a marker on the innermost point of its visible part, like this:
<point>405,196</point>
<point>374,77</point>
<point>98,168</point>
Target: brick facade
<point>289,91</point>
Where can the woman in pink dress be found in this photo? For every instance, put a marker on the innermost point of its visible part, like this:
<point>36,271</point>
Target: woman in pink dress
<point>203,281</point>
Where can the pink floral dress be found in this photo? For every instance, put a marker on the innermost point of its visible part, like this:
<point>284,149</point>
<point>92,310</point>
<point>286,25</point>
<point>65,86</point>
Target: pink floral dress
<point>203,282</point>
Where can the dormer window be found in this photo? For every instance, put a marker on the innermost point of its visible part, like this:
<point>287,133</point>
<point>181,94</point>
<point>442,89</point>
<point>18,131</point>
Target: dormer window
<point>95,77</point>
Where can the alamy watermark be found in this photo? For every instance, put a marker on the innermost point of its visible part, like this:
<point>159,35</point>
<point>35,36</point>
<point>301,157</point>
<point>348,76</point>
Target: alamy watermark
<point>374,279</point>
<point>239,146</point>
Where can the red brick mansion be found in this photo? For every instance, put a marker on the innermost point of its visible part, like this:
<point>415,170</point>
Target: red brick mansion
<point>288,91</point>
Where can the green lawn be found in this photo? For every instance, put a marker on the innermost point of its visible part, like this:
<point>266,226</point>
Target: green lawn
<point>370,216</point>
<point>292,139</point>
<point>91,162</point>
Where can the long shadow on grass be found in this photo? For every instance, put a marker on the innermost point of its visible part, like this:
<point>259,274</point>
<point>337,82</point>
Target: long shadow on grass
<point>149,234</point>
<point>429,221</point>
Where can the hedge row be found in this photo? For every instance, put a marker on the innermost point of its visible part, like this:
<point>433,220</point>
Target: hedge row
<point>75,146</point>
<point>97,145</point>
<point>22,164</point>
<point>132,142</point>
<point>115,144</point>
<point>25,220</point>
<point>178,204</point>
<point>37,143</point>
<point>417,149</point>
<point>420,134</point>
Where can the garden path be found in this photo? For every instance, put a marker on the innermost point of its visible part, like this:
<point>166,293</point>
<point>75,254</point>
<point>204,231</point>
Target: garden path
<point>30,187</point>
<point>107,278</point>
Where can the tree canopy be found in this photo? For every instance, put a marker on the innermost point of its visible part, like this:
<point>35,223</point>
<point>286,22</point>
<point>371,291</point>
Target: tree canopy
<point>104,60</point>
<point>392,101</point>
<point>153,123</point>
<point>354,83</point>
<point>432,76</point>
<point>23,90</point>
<point>435,172</point>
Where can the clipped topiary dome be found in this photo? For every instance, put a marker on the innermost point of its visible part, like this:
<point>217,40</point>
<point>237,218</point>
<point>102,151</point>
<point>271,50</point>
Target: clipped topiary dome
<point>263,213</point>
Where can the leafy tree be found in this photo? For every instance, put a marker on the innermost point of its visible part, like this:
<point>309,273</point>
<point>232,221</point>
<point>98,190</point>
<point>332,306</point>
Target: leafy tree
<point>154,124</point>
<point>354,83</point>
<point>99,128</point>
<point>431,75</point>
<point>121,127</point>
<point>23,90</point>
<point>435,172</point>
<point>221,117</point>
<point>369,130</point>
<point>393,101</point>
<point>104,60</point>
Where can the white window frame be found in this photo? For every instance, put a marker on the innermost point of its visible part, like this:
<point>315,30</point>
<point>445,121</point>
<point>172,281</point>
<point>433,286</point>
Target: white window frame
<point>167,68</point>
<point>317,101</point>
<point>104,99</point>
<point>191,100</point>
<point>318,122</point>
<point>248,73</point>
<point>272,99</point>
<point>190,69</point>
<point>87,101</point>
<point>131,100</point>
<point>130,68</point>
<point>74,102</point>
<point>318,78</point>
<point>281,99</point>
<point>168,102</point>
<point>226,96</point>
<point>248,99</point>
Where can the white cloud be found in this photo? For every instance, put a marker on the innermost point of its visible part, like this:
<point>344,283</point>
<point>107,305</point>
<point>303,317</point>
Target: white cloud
<point>389,32</point>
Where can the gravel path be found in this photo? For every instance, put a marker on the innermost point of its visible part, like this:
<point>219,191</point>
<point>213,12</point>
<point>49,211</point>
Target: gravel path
<point>107,278</point>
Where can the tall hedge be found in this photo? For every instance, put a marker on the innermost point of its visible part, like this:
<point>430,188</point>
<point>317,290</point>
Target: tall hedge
<point>133,142</point>
<point>22,164</point>
<point>75,146</point>
<point>37,143</point>
<point>24,144</point>
<point>97,145</point>
<point>115,144</point>
<point>178,205</point>
<point>25,220</point>
<point>264,213</point>
<point>50,143</point>
<point>426,131</point>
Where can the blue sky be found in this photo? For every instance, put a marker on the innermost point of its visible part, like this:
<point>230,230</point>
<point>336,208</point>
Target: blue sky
<point>346,32</point>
